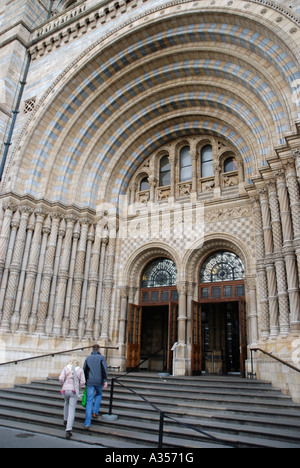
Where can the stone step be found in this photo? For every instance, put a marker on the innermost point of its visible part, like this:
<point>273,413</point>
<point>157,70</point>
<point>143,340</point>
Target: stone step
<point>253,400</point>
<point>280,432</point>
<point>234,412</point>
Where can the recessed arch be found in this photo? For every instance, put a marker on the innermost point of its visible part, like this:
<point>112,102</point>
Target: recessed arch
<point>72,151</point>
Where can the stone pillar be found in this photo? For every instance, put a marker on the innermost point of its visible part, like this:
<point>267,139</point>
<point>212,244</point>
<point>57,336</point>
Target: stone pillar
<point>66,317</point>
<point>288,249</point>
<point>78,278</point>
<point>15,268</point>
<point>269,262</point>
<point>293,189</point>
<point>47,274</point>
<point>31,271</point>
<point>108,280</point>
<point>252,310</point>
<point>262,285</point>
<point>98,316</point>
<point>180,353</point>
<point>57,250</point>
<point>279,261</point>
<point>9,209</point>
<point>82,315</point>
<point>93,282</point>
<point>15,223</point>
<point>32,323</point>
<point>124,291</point>
<point>14,321</point>
<point>63,277</point>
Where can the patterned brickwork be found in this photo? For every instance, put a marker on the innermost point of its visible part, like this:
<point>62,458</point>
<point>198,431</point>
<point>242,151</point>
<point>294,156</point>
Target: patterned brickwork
<point>108,131</point>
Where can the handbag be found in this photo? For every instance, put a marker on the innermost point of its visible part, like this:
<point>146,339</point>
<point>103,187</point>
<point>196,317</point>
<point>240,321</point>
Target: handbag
<point>62,391</point>
<point>83,401</point>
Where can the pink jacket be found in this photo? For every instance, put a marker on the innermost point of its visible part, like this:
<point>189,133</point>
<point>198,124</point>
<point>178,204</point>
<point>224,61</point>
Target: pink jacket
<point>66,378</point>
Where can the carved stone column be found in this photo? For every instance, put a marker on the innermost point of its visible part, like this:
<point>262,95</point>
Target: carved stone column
<point>108,279</point>
<point>98,317</point>
<point>15,268</point>
<point>31,271</point>
<point>252,310</point>
<point>63,276</point>
<point>93,282</point>
<point>124,291</point>
<point>82,315</point>
<point>288,249</point>
<point>15,223</point>
<point>50,318</point>
<point>47,274</point>
<point>269,262</point>
<point>78,278</point>
<point>279,260</point>
<point>67,310</point>
<point>293,189</point>
<point>262,285</point>
<point>9,209</point>
<point>32,323</point>
<point>14,321</point>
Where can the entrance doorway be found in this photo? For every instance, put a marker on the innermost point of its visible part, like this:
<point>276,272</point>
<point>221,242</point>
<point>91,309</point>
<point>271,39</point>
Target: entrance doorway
<point>223,333</point>
<point>154,337</point>
<point>152,325</point>
<point>221,338</point>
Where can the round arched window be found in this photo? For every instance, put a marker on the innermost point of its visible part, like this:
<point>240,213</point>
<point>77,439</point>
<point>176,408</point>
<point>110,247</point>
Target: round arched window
<point>160,272</point>
<point>222,266</point>
<point>230,165</point>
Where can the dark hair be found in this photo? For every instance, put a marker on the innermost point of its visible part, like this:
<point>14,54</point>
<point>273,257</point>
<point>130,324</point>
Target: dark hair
<point>96,347</point>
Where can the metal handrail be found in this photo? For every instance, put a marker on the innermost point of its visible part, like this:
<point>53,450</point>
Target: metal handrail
<point>68,351</point>
<point>114,379</point>
<point>285,363</point>
<point>164,414</point>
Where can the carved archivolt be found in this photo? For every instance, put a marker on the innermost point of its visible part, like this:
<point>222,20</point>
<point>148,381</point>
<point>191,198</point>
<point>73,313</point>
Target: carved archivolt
<point>195,256</point>
<point>137,262</point>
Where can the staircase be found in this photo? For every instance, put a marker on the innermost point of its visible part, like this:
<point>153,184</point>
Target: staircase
<point>236,412</point>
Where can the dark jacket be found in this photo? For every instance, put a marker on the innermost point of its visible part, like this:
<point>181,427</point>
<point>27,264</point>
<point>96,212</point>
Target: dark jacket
<point>95,369</point>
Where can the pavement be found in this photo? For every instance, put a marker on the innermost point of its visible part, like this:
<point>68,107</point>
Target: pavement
<point>14,438</point>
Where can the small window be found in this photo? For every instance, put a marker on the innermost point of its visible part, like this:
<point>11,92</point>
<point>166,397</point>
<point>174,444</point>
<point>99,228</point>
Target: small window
<point>207,169</point>
<point>185,164</point>
<point>164,172</point>
<point>144,185</point>
<point>230,165</point>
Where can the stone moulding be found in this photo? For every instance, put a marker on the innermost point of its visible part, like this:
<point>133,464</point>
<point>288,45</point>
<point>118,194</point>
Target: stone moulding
<point>62,28</point>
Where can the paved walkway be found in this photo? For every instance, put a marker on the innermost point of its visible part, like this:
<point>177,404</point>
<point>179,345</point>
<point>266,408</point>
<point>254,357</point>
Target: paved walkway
<point>12,438</point>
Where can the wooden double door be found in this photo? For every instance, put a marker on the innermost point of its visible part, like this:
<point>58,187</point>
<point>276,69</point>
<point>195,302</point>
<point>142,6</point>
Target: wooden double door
<point>159,321</point>
<point>199,329</point>
<point>230,330</point>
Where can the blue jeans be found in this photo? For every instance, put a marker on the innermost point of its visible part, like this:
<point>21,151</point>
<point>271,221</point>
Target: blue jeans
<point>92,406</point>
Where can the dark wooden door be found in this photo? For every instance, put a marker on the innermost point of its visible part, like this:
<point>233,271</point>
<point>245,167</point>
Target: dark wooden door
<point>243,335</point>
<point>134,336</point>
<point>196,338</point>
<point>172,331</point>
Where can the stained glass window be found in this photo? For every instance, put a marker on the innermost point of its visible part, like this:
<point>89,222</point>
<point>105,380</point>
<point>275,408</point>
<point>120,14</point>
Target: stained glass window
<point>222,266</point>
<point>159,273</point>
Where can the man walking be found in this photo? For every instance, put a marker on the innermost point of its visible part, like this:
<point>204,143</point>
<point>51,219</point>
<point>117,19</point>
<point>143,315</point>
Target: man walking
<point>95,370</point>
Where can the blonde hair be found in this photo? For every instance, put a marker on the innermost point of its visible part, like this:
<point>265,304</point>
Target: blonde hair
<point>74,361</point>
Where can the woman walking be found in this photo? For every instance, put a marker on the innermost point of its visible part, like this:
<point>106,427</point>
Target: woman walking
<point>73,380</point>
